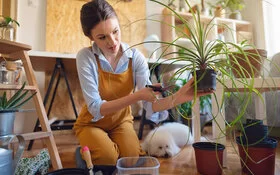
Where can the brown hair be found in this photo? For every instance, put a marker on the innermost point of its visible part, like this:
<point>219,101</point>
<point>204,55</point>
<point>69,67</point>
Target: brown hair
<point>93,13</point>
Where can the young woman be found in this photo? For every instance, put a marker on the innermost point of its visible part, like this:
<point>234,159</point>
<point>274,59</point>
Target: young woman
<point>109,71</point>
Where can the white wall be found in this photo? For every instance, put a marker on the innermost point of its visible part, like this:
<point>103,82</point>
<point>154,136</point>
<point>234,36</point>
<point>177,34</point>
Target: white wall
<point>32,17</point>
<point>271,25</point>
<point>253,12</point>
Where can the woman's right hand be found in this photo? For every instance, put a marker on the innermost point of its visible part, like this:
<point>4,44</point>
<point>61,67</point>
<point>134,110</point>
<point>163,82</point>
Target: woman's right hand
<point>147,94</point>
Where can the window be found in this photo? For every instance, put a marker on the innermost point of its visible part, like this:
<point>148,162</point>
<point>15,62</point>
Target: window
<point>271,12</point>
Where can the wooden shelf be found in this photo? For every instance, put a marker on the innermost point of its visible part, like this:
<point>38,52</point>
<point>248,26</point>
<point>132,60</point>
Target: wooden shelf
<point>8,47</point>
<point>16,87</point>
<point>17,51</point>
<point>34,136</point>
<point>261,84</point>
<point>233,32</point>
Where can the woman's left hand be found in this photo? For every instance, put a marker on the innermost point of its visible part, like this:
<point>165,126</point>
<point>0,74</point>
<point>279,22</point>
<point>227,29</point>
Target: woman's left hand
<point>186,93</point>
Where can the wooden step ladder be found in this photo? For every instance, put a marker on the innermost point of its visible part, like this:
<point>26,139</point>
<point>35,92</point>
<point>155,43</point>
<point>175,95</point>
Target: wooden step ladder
<point>17,51</point>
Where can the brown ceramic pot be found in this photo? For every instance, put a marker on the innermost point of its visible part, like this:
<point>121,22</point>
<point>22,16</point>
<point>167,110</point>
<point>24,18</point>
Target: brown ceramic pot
<point>251,68</point>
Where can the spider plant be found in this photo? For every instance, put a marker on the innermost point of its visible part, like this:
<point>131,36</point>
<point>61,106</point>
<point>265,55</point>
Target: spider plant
<point>204,53</point>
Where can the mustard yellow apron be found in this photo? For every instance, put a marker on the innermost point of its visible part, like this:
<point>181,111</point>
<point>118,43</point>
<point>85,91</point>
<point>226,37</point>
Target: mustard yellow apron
<point>112,136</point>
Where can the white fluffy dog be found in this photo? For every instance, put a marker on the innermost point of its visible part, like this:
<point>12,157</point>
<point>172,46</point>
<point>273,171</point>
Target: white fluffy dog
<point>167,139</point>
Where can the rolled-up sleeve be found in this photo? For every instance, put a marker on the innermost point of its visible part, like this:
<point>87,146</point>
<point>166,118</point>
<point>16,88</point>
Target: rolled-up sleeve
<point>142,76</point>
<point>88,76</point>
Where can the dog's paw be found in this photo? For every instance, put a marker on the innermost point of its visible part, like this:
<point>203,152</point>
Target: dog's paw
<point>173,151</point>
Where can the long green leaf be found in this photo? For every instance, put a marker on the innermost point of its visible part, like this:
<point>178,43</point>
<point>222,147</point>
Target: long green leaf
<point>4,100</point>
<point>22,103</point>
<point>16,95</point>
<point>17,100</point>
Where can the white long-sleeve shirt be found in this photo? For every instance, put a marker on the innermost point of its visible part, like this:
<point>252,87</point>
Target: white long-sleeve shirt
<point>88,74</point>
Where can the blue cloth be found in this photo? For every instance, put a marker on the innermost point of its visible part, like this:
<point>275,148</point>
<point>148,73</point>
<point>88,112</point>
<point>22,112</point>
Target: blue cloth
<point>88,74</point>
<point>158,117</point>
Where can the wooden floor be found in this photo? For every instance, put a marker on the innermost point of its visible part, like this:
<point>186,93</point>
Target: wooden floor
<point>183,163</point>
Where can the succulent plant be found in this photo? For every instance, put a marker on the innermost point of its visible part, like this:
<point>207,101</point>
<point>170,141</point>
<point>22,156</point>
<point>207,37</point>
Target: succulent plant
<point>16,101</point>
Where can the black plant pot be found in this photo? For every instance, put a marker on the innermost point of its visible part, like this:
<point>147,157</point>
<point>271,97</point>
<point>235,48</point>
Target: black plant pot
<point>206,80</point>
<point>255,131</point>
<point>69,171</point>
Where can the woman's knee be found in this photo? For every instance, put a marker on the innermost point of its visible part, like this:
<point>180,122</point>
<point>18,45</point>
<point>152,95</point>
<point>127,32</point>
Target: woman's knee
<point>130,152</point>
<point>105,157</point>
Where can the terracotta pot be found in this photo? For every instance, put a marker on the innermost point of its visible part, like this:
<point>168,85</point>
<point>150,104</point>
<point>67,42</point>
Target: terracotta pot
<point>209,157</point>
<point>220,12</point>
<point>251,68</point>
<point>257,159</point>
<point>206,80</point>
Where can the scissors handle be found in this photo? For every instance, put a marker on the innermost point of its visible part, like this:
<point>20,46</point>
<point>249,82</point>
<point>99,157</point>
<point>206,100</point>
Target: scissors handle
<point>155,88</point>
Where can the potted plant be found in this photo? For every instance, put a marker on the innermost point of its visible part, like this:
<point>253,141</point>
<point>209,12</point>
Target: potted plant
<point>8,107</point>
<point>235,6</point>
<point>7,27</point>
<point>207,56</point>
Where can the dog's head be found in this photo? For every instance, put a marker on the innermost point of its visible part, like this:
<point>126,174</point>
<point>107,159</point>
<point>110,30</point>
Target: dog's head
<point>160,144</point>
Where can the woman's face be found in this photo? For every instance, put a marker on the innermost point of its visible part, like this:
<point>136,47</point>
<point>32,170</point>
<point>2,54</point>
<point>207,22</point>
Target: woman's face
<point>107,36</point>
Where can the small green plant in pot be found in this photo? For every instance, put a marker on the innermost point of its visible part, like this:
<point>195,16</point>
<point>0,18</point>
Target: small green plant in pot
<point>7,27</point>
<point>234,6</point>
<point>6,20</point>
<point>8,107</point>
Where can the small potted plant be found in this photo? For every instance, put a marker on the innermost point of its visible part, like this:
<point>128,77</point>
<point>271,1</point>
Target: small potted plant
<point>8,108</point>
<point>235,6</point>
<point>7,27</point>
